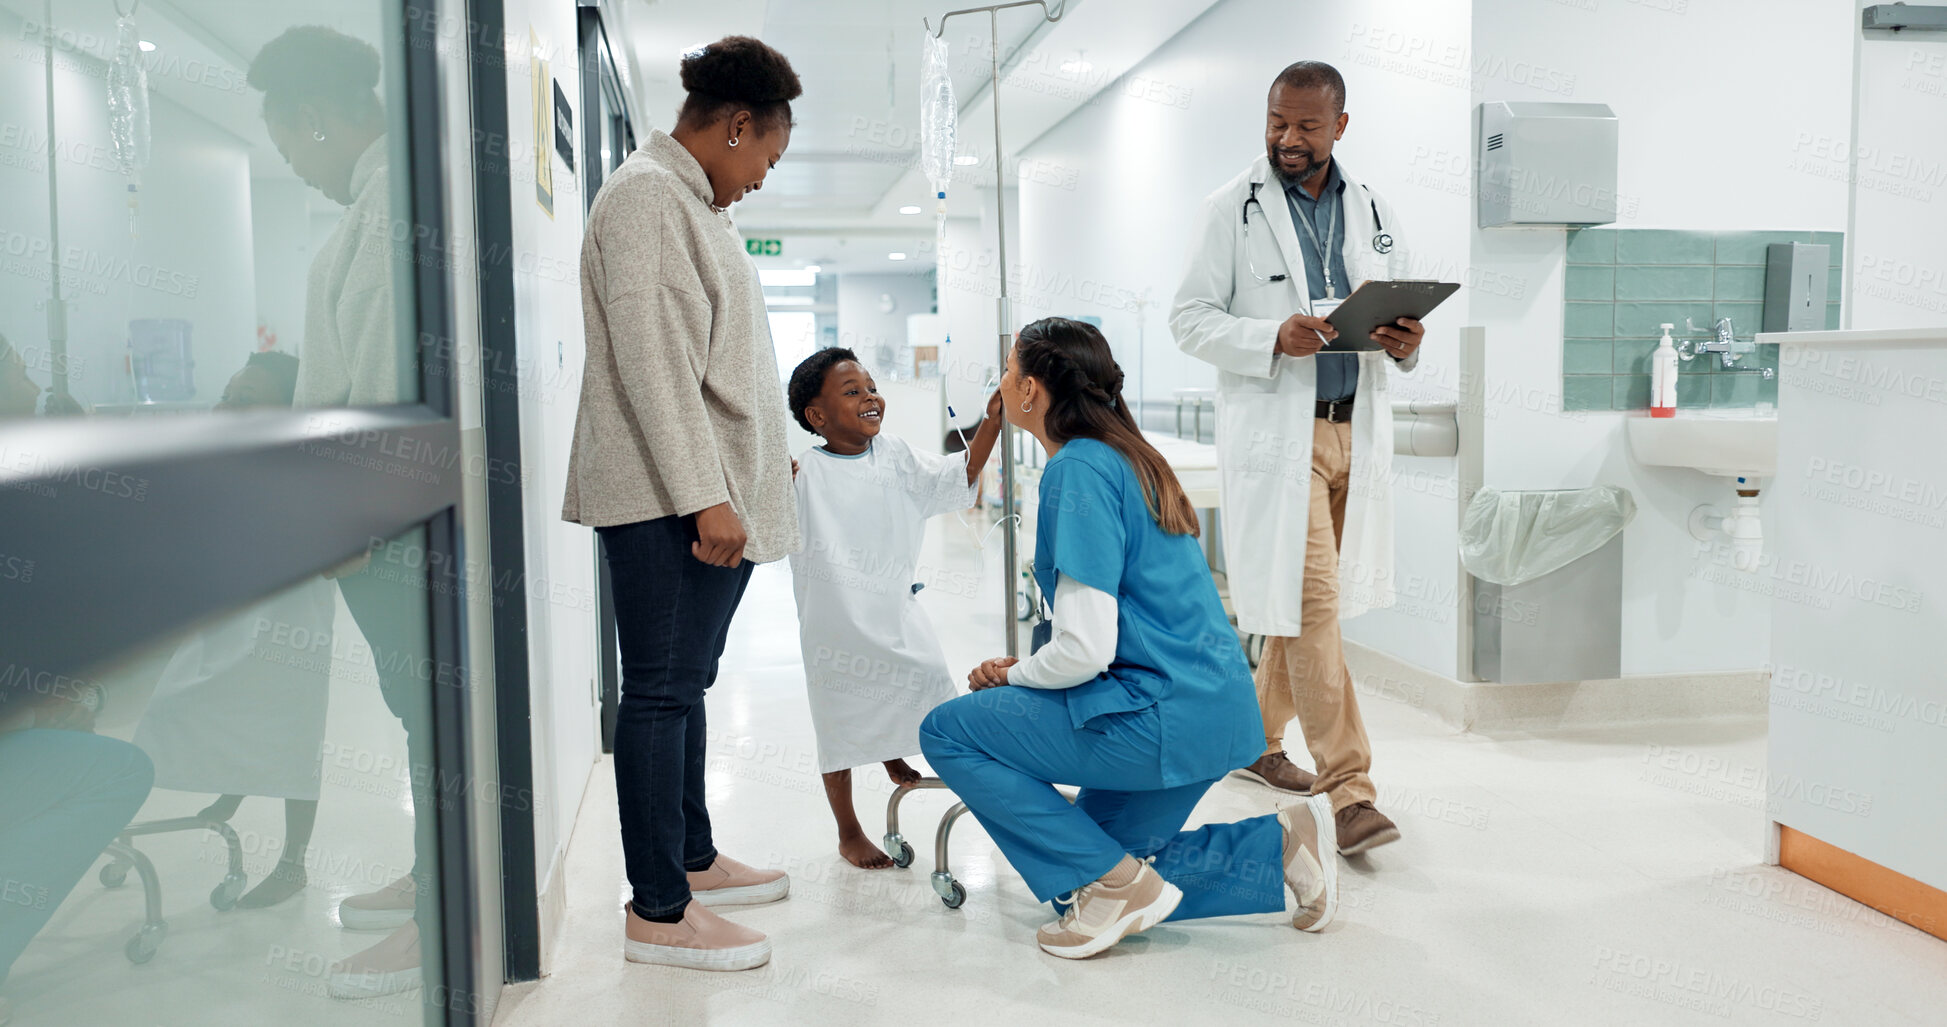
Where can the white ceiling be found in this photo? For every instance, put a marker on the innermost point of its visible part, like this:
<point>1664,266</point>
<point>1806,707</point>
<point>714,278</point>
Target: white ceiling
<point>855,146</point>
<point>853,160</point>
<point>835,198</point>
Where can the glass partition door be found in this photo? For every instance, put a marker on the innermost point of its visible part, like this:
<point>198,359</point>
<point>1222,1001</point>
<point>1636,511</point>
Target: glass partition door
<point>233,696</point>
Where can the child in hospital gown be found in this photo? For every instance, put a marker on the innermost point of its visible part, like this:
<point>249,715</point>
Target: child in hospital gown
<point>873,665</point>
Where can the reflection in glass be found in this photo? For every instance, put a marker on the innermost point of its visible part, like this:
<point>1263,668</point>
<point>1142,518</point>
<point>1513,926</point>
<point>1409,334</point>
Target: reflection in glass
<point>236,806</point>
<point>199,217</point>
<point>202,187</point>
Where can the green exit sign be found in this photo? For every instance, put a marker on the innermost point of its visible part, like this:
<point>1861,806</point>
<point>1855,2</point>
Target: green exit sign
<point>764,247</point>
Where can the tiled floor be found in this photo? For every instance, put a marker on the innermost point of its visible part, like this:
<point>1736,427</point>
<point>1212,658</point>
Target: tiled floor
<point>1586,879</point>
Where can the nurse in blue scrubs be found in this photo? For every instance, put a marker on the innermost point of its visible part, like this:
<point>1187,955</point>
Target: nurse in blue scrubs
<point>1142,697</point>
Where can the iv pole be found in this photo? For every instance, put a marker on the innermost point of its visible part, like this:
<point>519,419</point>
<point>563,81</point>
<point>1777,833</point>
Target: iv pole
<point>57,311</point>
<point>1009,554</point>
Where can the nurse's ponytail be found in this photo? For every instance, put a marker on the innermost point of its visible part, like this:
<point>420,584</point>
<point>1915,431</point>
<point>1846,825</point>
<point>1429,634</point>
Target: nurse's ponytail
<point>1073,362</point>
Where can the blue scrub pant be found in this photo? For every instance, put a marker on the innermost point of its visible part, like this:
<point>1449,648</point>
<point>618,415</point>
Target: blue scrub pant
<point>1003,749</point>
<point>67,795</point>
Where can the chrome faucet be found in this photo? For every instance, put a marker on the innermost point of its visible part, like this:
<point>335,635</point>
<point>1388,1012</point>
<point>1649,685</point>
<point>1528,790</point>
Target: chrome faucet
<point>1722,345</point>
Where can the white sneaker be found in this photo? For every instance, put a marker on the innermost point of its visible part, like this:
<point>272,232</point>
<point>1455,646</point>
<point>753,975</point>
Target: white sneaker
<point>1311,861</point>
<point>1102,915</point>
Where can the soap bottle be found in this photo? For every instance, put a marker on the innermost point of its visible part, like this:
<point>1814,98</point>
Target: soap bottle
<point>1663,376</point>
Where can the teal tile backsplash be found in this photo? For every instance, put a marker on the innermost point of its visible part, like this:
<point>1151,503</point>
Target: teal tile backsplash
<point>1663,246</point>
<point>1623,283</point>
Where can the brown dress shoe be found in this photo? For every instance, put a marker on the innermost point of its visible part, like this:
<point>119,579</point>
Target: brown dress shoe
<point>1362,827</point>
<point>1275,770</point>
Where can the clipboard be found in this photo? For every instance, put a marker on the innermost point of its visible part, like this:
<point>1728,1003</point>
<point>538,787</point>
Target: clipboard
<point>1378,303</point>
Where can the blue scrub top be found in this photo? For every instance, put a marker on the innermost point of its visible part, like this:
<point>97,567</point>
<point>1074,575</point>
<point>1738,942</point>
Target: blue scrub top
<point>1175,649</point>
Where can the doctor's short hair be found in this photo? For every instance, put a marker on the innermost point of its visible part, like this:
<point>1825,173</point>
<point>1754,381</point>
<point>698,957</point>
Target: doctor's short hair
<point>808,380</point>
<point>1073,362</point>
<point>1314,75</point>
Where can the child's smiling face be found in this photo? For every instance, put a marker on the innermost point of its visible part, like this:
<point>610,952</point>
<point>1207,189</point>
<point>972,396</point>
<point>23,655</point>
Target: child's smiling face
<point>848,410</point>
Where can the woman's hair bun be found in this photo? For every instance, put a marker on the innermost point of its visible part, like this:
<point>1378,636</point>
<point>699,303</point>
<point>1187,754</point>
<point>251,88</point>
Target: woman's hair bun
<point>314,62</point>
<point>742,70</point>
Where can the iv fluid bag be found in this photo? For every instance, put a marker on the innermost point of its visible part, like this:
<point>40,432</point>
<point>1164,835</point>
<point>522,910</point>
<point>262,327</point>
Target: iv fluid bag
<point>937,115</point>
<point>938,118</point>
<point>128,101</point>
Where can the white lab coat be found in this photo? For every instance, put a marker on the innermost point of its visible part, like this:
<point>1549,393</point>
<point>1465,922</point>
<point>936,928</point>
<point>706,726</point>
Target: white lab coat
<point>1265,402</point>
<point>240,707</point>
<point>873,665</point>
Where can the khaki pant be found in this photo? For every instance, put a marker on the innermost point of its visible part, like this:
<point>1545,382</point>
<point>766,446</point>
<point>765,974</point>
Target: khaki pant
<point>1306,677</point>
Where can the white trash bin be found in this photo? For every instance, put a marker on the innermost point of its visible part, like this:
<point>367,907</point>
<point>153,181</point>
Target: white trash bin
<point>1547,569</point>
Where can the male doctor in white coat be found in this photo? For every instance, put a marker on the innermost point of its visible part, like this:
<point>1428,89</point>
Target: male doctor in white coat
<point>1304,434</point>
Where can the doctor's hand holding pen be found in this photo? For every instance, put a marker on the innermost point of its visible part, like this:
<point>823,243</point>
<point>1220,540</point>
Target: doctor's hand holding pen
<point>991,673</point>
<point>1302,335</point>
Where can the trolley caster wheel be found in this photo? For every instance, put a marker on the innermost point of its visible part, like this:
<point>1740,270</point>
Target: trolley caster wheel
<point>224,896</point>
<point>901,853</point>
<point>114,875</point>
<point>142,945</point>
<point>958,896</point>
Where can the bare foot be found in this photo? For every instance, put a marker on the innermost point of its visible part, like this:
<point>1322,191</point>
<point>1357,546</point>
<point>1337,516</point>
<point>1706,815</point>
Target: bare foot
<point>284,880</point>
<point>859,851</point>
<point>901,772</point>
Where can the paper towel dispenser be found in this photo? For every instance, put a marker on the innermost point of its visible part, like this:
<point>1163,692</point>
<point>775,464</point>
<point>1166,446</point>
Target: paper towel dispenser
<point>1546,164</point>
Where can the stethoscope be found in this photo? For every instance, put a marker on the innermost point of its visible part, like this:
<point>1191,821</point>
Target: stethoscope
<point>1382,243</point>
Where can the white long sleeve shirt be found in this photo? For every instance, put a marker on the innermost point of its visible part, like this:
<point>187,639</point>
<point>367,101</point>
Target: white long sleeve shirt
<point>1083,644</point>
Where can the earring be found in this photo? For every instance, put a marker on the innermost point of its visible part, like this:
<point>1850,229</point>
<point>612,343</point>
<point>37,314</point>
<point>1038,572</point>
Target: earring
<point>733,141</point>
<point>1025,408</point>
<point>317,135</point>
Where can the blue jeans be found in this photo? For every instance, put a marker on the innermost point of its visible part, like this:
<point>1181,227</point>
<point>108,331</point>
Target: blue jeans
<point>68,794</point>
<point>1002,750</point>
<point>391,605</point>
<point>672,618</point>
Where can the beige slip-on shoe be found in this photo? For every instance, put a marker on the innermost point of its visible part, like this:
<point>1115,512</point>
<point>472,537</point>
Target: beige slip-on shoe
<point>701,940</point>
<point>730,883</point>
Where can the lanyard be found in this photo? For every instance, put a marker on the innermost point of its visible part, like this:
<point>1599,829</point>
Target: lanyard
<point>1331,226</point>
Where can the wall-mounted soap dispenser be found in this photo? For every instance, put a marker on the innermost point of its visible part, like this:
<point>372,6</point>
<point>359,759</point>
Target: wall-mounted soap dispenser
<point>1794,286</point>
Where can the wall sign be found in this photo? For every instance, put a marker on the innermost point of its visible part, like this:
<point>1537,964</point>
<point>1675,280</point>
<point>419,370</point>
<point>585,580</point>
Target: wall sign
<point>543,163</point>
<point>764,247</point>
<point>564,127</point>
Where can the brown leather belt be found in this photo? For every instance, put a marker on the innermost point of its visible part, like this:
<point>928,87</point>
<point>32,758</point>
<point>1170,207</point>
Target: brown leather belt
<point>1337,411</point>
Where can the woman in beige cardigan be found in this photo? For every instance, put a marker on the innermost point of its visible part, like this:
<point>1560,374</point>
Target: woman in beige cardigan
<point>680,463</point>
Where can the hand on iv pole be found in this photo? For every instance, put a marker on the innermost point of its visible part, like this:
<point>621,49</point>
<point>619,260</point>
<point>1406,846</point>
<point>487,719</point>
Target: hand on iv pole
<point>981,446</point>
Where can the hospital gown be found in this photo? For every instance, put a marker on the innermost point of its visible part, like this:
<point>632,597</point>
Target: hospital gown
<point>240,707</point>
<point>873,665</point>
